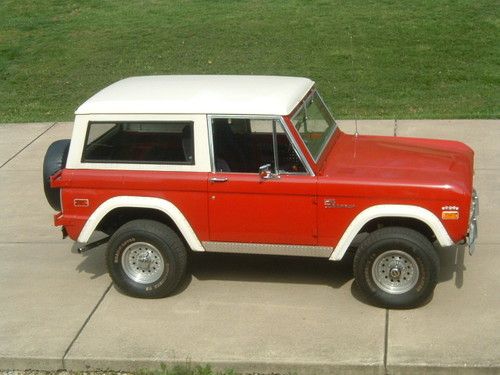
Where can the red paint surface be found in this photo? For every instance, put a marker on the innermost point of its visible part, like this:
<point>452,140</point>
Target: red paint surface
<point>186,190</point>
<point>247,208</point>
<point>361,171</point>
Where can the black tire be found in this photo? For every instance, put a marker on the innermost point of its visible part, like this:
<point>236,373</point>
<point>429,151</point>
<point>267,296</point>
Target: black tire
<point>396,267</point>
<point>154,242</point>
<point>55,159</point>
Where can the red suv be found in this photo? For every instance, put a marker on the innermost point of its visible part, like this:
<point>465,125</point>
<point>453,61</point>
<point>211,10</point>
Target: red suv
<point>254,164</point>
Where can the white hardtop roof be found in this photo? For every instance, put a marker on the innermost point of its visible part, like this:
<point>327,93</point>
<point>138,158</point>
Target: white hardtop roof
<point>211,94</point>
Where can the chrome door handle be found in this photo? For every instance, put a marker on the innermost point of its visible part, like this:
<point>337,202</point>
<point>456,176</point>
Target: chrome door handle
<point>218,179</point>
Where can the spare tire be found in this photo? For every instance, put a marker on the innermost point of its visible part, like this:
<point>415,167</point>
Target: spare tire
<point>55,159</point>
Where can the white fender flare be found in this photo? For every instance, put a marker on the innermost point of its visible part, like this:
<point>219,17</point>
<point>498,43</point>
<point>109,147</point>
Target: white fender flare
<point>391,210</point>
<point>142,202</point>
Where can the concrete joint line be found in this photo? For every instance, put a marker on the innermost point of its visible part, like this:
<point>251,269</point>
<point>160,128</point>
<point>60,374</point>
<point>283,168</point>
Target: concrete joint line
<point>29,144</point>
<point>63,360</point>
<point>386,340</point>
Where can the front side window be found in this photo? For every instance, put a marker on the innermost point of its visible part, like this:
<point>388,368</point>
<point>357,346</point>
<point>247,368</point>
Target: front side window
<point>246,144</point>
<point>140,142</point>
<point>314,124</point>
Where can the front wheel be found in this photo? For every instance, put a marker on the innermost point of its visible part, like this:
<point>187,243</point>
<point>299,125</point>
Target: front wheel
<point>146,259</point>
<point>396,267</point>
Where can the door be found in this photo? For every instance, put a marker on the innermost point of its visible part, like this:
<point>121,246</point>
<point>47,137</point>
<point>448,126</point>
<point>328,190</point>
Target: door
<point>276,206</point>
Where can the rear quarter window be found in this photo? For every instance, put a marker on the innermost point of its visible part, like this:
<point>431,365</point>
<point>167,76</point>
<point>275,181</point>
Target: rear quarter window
<point>139,142</point>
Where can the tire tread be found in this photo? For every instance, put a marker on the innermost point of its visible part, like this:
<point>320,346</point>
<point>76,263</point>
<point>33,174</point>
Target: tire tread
<point>164,234</point>
<point>419,241</point>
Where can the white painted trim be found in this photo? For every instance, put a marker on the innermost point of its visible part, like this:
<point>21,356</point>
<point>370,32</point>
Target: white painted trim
<point>202,94</point>
<point>391,210</point>
<point>142,202</point>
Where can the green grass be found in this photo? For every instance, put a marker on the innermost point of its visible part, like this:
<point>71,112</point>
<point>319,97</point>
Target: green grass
<point>180,369</point>
<point>407,59</point>
<point>185,369</point>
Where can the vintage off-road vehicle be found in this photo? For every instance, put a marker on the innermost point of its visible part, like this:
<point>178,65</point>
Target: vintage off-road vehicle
<point>254,164</point>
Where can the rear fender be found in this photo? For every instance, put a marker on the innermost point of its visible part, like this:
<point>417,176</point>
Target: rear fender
<point>141,202</point>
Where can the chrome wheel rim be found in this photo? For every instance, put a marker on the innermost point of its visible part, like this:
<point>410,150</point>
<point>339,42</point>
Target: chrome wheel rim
<point>143,263</point>
<point>395,272</point>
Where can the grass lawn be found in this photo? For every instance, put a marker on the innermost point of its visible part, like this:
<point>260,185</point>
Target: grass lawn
<point>407,59</point>
<point>186,369</point>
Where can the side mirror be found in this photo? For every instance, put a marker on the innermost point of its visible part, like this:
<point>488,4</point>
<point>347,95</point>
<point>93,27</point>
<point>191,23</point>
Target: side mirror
<point>265,172</point>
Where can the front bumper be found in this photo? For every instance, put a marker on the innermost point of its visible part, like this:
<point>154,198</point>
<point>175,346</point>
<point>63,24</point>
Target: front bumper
<point>472,234</point>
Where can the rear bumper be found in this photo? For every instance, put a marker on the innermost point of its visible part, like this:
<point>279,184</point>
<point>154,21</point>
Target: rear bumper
<point>472,234</point>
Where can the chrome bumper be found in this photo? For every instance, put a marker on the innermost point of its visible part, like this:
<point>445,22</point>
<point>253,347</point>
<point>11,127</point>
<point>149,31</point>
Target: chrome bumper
<point>472,234</point>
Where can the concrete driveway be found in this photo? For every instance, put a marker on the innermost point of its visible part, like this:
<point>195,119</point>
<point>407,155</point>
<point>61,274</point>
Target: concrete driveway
<point>59,310</point>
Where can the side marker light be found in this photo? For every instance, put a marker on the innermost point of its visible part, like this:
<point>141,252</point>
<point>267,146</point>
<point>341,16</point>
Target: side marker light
<point>450,215</point>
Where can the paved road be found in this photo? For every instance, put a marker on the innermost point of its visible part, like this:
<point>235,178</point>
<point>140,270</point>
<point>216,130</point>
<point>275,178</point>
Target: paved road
<point>59,310</point>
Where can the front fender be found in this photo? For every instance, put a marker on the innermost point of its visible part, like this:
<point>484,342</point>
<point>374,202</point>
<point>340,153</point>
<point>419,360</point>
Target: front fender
<point>390,210</point>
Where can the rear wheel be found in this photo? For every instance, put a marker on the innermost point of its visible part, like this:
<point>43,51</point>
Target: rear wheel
<point>146,259</point>
<point>396,267</point>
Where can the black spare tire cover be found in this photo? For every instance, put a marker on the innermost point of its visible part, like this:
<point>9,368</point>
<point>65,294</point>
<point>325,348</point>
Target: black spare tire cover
<point>55,159</point>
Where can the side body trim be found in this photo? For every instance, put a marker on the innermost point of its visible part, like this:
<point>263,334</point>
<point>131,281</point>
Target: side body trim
<point>391,210</point>
<point>268,249</point>
<point>141,202</point>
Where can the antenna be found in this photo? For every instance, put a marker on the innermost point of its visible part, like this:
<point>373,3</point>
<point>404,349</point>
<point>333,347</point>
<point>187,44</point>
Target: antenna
<point>354,85</point>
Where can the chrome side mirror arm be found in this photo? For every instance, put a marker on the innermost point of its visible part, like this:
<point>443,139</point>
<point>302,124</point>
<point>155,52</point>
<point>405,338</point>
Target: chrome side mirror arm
<point>266,174</point>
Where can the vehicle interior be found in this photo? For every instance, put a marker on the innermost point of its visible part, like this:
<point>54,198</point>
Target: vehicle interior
<point>240,145</point>
<point>244,145</point>
<point>170,142</point>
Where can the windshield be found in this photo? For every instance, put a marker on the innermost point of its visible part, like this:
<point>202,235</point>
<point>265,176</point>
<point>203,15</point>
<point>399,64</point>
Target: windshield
<point>315,124</point>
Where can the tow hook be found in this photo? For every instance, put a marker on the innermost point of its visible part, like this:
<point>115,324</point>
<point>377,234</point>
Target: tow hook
<point>92,245</point>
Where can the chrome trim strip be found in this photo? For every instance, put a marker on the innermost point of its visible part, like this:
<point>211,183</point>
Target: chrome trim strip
<point>475,204</point>
<point>296,147</point>
<point>327,109</point>
<point>275,149</point>
<point>211,143</point>
<point>474,213</point>
<point>267,249</point>
<point>332,131</point>
<point>304,104</point>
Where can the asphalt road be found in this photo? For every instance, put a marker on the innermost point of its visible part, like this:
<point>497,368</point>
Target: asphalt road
<point>59,310</point>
